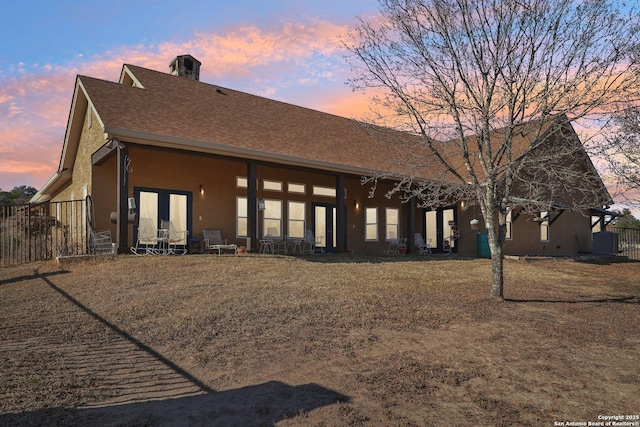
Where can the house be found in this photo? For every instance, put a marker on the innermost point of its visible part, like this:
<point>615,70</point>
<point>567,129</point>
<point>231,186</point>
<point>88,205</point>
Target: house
<point>209,157</point>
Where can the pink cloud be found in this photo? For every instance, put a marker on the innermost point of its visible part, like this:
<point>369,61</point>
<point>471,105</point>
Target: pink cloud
<point>35,101</point>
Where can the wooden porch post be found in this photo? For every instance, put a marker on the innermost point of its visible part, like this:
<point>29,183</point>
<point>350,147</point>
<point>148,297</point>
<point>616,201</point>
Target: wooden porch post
<point>411,218</point>
<point>341,216</point>
<point>123,194</point>
<point>252,203</point>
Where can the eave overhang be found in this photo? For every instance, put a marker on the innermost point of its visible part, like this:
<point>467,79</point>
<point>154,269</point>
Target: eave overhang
<point>143,138</point>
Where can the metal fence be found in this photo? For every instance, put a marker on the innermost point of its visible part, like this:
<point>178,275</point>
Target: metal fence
<point>628,242</point>
<point>40,232</point>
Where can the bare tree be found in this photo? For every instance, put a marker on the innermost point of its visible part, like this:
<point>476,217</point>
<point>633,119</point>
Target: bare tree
<point>620,151</point>
<point>489,89</point>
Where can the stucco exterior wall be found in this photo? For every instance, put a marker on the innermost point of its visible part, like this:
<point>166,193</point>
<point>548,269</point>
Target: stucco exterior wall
<point>164,169</point>
<point>91,139</point>
<point>570,234</point>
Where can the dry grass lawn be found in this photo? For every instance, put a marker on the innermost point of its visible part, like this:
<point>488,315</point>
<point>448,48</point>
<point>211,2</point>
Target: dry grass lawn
<point>322,341</point>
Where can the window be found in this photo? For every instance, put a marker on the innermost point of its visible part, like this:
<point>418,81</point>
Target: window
<point>242,220</point>
<point>242,182</point>
<point>178,215</point>
<point>371,224</point>
<point>296,188</point>
<point>272,220</point>
<point>392,224</point>
<point>431,227</point>
<point>296,219</point>
<point>544,226</point>
<point>269,185</point>
<point>596,224</point>
<point>324,191</point>
<point>509,223</point>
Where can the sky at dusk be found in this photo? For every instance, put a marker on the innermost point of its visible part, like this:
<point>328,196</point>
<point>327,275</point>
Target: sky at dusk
<point>289,50</point>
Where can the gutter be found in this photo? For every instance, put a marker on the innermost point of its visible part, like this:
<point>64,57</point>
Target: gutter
<point>58,179</point>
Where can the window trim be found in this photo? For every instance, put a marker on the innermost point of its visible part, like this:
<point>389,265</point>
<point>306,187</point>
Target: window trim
<point>509,224</point>
<point>322,191</point>
<point>278,184</point>
<point>387,224</point>
<point>367,224</point>
<point>239,179</point>
<point>265,218</point>
<point>545,223</point>
<point>238,217</point>
<point>303,191</point>
<point>290,220</point>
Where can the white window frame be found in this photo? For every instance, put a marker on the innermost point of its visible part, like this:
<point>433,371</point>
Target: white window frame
<point>319,190</point>
<point>240,217</point>
<point>265,218</point>
<point>509,224</point>
<point>291,220</point>
<point>370,222</point>
<point>545,232</point>
<point>390,227</point>
<point>296,188</point>
<point>271,185</point>
<point>242,182</point>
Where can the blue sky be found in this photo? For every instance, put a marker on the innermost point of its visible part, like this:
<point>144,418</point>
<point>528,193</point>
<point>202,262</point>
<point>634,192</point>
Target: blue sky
<point>288,50</point>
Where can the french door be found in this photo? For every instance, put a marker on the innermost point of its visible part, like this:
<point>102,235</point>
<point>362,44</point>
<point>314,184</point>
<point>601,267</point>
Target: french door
<point>440,229</point>
<point>161,204</point>
<point>324,226</point>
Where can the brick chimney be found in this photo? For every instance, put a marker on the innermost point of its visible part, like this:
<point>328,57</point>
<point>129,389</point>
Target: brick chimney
<point>185,66</point>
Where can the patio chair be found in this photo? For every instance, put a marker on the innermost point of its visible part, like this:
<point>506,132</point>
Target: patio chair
<point>100,242</point>
<point>424,247</point>
<point>267,245</point>
<point>147,242</point>
<point>311,243</point>
<point>397,246</point>
<point>278,243</point>
<point>449,243</point>
<point>212,241</point>
<point>176,241</point>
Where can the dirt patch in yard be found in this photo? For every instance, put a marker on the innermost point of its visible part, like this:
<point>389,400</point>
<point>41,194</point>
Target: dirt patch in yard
<point>325,341</point>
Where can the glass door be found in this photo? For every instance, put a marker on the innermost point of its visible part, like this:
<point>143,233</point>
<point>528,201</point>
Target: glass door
<point>441,230</point>
<point>155,205</point>
<point>324,226</point>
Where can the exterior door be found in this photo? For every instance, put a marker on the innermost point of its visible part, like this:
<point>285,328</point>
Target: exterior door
<point>160,204</point>
<point>439,227</point>
<point>324,226</point>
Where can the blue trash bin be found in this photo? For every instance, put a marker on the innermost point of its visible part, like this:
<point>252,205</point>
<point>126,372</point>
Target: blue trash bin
<point>482,245</point>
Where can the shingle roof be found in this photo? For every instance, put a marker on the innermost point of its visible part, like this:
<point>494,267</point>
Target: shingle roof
<point>191,115</point>
<point>174,107</point>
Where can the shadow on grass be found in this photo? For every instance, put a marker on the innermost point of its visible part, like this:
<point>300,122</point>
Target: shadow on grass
<point>619,300</point>
<point>342,258</point>
<point>139,386</point>
<point>31,277</point>
<point>262,404</point>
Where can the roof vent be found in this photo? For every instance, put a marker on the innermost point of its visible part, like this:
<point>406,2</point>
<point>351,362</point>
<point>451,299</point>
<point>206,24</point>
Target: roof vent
<point>185,66</point>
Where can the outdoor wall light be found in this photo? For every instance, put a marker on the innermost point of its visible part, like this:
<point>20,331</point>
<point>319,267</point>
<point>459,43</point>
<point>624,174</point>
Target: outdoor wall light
<point>201,189</point>
<point>356,204</point>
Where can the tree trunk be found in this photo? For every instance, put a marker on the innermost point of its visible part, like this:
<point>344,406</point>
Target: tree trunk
<point>496,237</point>
<point>497,272</point>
